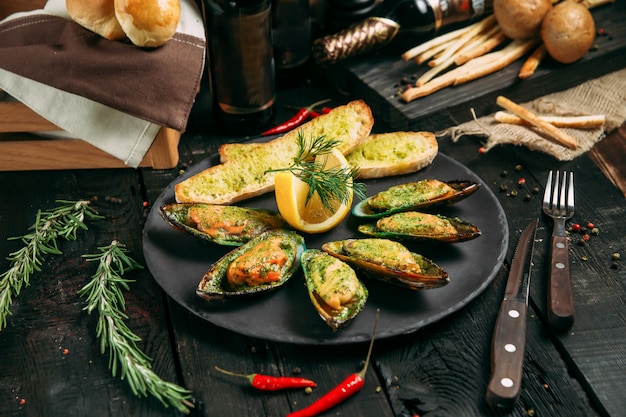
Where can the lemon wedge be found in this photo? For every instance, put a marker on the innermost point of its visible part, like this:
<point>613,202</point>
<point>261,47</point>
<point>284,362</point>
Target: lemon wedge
<point>311,217</point>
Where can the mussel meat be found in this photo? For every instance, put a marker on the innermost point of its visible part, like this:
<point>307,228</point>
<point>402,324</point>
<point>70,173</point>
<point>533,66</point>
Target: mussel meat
<point>414,196</point>
<point>264,263</point>
<point>224,225</point>
<point>421,226</point>
<point>334,289</point>
<point>389,261</point>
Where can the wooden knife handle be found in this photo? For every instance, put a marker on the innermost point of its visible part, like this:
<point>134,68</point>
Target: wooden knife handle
<point>560,299</point>
<point>508,345</point>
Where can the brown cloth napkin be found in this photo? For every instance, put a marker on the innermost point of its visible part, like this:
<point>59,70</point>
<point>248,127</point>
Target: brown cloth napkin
<point>158,85</point>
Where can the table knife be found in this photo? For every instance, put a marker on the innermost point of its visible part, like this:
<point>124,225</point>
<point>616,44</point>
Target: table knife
<point>509,336</point>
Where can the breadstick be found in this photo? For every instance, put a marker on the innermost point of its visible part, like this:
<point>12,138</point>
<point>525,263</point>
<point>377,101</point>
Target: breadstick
<point>430,87</point>
<point>464,39</point>
<point>434,42</point>
<point>493,39</point>
<point>576,122</point>
<point>429,53</point>
<point>532,62</point>
<point>433,72</point>
<point>494,61</point>
<point>554,133</point>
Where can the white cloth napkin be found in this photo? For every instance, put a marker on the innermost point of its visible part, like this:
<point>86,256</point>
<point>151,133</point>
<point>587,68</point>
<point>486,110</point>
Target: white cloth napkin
<point>126,137</point>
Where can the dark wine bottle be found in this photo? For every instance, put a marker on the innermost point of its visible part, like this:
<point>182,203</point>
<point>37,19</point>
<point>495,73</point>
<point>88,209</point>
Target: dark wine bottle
<point>419,18</point>
<point>241,64</point>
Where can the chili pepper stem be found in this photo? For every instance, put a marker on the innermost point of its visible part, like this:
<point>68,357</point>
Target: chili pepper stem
<point>313,106</point>
<point>371,346</point>
<point>271,383</point>
<point>249,377</point>
<point>348,387</point>
<point>296,120</point>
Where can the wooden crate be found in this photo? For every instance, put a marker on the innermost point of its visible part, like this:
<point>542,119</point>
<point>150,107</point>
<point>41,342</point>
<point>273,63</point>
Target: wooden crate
<point>21,150</point>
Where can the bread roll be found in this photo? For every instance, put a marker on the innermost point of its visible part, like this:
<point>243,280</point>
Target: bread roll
<point>394,153</point>
<point>148,23</point>
<point>96,15</point>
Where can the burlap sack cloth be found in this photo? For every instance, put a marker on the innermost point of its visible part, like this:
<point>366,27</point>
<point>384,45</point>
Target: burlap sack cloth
<point>604,95</point>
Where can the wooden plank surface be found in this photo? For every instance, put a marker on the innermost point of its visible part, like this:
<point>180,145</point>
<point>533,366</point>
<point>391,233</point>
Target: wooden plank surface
<point>441,370</point>
<point>375,78</point>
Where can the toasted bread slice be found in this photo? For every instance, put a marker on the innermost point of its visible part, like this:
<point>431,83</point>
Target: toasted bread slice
<point>245,175</point>
<point>230,151</point>
<point>395,153</point>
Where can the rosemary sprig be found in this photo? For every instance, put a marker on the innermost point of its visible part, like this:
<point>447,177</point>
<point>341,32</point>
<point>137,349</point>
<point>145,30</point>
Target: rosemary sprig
<point>104,294</point>
<point>331,185</point>
<point>63,221</point>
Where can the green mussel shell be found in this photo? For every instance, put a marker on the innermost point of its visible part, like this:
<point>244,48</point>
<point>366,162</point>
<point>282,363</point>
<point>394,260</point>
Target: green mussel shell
<point>389,261</point>
<point>334,288</point>
<point>414,196</point>
<point>413,225</point>
<point>264,263</point>
<point>224,225</point>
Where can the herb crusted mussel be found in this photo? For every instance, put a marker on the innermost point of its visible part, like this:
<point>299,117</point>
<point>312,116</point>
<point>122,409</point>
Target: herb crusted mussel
<point>413,225</point>
<point>264,263</point>
<point>333,286</point>
<point>414,196</point>
<point>389,261</point>
<point>224,225</point>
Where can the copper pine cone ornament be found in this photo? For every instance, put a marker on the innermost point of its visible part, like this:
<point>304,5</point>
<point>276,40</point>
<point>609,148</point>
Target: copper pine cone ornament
<point>355,40</point>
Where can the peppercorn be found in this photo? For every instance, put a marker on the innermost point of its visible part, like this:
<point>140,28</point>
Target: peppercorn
<point>518,167</point>
<point>590,225</point>
<point>575,227</point>
<point>513,193</point>
<point>615,256</point>
<point>504,173</point>
<point>581,242</point>
<point>527,197</point>
<point>521,182</point>
<point>595,231</point>
<point>584,258</point>
<point>503,187</point>
<point>614,265</point>
<point>586,237</point>
<point>535,190</point>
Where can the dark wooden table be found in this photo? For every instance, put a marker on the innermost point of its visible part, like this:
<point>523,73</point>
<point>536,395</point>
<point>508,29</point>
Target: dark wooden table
<point>51,364</point>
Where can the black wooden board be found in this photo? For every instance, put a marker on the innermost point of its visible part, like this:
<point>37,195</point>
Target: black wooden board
<point>374,78</point>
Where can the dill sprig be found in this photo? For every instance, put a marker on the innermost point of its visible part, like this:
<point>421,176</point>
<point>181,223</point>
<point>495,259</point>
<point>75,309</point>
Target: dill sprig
<point>104,294</point>
<point>61,222</point>
<point>330,184</point>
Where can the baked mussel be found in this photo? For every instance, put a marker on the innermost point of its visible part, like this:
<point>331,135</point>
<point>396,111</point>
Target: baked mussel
<point>224,225</point>
<point>389,261</point>
<point>264,263</point>
<point>333,286</point>
<point>416,195</point>
<point>414,225</point>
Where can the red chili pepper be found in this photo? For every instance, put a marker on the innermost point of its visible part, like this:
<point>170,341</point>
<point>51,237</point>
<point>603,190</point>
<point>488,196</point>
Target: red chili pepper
<point>295,121</point>
<point>314,114</point>
<point>272,383</point>
<point>326,110</point>
<point>347,388</point>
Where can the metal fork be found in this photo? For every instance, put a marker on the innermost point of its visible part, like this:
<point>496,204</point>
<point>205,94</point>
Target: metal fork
<point>558,203</point>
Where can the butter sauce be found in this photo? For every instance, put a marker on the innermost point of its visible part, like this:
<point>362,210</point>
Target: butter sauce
<point>409,194</point>
<point>334,289</point>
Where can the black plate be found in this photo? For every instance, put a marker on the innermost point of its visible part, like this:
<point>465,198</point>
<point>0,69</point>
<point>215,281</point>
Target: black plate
<point>178,262</point>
